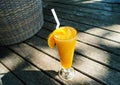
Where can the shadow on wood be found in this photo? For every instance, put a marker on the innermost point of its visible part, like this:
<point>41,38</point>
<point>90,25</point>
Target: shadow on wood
<point>37,79</point>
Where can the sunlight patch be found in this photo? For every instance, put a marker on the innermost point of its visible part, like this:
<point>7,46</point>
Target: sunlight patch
<point>91,1</point>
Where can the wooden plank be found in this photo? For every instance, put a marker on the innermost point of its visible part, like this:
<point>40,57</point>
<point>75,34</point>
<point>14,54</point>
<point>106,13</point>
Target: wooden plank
<point>94,31</point>
<point>92,22</point>
<point>94,36</point>
<point>99,55</point>
<point>82,48</point>
<point>107,45</point>
<point>79,25</point>
<point>3,69</point>
<point>50,65</point>
<point>75,12</point>
<point>87,4</point>
<point>111,38</point>
<point>90,4</point>
<point>107,34</point>
<point>6,77</point>
<point>87,13</point>
<point>83,64</point>
<point>112,1</point>
<point>29,74</point>
<point>110,35</point>
<point>78,8</point>
<point>9,79</point>
<point>104,20</point>
<point>116,7</point>
<point>73,1</point>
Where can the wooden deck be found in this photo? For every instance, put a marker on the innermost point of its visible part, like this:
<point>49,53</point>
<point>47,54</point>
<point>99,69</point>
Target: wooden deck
<point>97,54</point>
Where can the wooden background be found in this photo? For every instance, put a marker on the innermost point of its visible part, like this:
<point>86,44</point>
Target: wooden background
<point>97,54</point>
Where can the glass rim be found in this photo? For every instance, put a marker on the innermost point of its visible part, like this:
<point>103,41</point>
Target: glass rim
<point>69,38</point>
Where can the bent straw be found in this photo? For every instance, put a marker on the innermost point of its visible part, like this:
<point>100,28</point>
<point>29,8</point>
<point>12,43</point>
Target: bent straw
<point>56,18</point>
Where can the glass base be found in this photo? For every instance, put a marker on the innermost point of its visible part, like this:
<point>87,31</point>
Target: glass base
<point>66,74</point>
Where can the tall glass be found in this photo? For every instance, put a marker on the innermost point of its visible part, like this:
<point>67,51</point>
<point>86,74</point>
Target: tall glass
<point>66,51</point>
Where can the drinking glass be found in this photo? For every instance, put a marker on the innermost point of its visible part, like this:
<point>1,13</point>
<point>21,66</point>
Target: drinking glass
<point>65,49</point>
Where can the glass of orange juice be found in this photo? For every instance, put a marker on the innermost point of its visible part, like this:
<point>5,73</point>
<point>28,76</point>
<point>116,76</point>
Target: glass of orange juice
<point>65,40</point>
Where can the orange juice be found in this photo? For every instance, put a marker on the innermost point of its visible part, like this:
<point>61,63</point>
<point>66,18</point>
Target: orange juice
<point>65,43</point>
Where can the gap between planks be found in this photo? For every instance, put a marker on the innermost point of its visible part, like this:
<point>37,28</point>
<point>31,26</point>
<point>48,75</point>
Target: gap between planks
<point>44,34</point>
<point>48,66</point>
<point>54,54</point>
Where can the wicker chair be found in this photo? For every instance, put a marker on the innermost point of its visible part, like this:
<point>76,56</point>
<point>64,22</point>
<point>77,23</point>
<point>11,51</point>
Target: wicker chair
<point>19,20</point>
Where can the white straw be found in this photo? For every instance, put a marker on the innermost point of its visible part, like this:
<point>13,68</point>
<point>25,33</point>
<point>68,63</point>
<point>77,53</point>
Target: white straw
<point>56,18</point>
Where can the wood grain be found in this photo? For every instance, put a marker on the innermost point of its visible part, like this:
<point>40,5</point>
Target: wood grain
<point>29,74</point>
<point>50,65</point>
<point>96,67</point>
<point>88,50</point>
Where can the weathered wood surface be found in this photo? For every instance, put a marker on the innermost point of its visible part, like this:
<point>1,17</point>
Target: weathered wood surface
<point>81,47</point>
<point>96,59</point>
<point>7,78</point>
<point>83,20</point>
<point>76,1</point>
<point>95,35</point>
<point>50,65</point>
<point>93,68</point>
<point>28,73</point>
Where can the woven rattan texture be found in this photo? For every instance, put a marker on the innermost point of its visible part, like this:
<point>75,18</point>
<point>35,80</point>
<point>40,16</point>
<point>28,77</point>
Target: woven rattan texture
<point>19,20</point>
